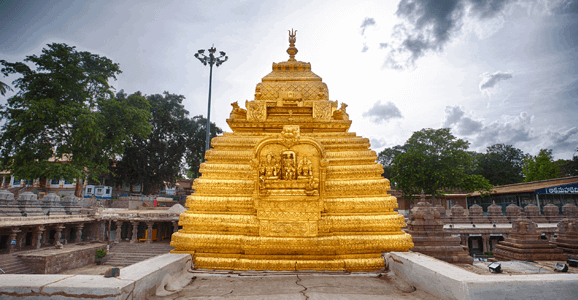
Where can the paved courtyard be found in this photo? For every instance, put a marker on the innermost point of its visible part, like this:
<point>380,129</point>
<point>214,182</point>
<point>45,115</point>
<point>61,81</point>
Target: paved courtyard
<point>297,286</point>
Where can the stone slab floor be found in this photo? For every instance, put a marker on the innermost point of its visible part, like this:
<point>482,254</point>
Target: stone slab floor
<point>297,286</point>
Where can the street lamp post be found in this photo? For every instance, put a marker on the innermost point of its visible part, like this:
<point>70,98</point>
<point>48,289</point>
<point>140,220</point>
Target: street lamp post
<point>211,60</point>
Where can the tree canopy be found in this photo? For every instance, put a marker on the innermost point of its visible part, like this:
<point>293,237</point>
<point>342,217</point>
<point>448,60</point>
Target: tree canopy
<point>65,110</point>
<point>160,157</point>
<point>387,157</point>
<point>501,164</point>
<point>436,162</point>
<point>541,167</point>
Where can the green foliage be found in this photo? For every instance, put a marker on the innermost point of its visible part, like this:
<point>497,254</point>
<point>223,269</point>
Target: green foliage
<point>386,159</point>
<point>65,109</point>
<point>541,167</point>
<point>160,157</point>
<point>568,167</point>
<point>501,164</point>
<point>4,88</point>
<point>197,142</point>
<point>100,254</point>
<point>436,162</point>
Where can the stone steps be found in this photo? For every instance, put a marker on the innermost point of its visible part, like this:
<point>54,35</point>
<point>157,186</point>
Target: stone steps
<point>12,264</point>
<point>125,254</point>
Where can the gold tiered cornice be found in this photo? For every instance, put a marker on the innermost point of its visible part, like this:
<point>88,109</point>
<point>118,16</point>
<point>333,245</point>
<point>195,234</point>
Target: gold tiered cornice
<point>290,188</point>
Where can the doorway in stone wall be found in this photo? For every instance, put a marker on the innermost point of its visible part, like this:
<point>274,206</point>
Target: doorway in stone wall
<point>28,239</point>
<point>3,242</point>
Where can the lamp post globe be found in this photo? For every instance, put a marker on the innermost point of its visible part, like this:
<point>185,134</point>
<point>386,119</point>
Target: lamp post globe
<point>211,60</point>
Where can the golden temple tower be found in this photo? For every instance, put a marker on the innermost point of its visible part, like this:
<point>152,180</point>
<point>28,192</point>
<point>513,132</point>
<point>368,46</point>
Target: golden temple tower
<point>290,188</point>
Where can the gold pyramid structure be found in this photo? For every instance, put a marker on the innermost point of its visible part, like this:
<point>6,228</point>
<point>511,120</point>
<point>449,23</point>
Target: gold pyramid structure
<point>290,188</point>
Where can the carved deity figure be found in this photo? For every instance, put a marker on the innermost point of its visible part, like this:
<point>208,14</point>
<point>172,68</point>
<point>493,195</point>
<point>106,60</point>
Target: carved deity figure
<point>289,169</point>
<point>269,169</point>
<point>304,168</point>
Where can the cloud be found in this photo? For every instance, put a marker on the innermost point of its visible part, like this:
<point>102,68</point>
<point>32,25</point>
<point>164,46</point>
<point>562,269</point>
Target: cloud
<point>490,80</point>
<point>462,124</point>
<point>563,141</point>
<point>429,25</point>
<point>367,23</point>
<point>377,143</point>
<point>365,48</point>
<point>383,112</point>
<point>382,45</point>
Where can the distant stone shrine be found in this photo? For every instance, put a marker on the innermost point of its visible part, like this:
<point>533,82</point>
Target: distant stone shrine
<point>524,243</point>
<point>567,237</point>
<point>426,230</point>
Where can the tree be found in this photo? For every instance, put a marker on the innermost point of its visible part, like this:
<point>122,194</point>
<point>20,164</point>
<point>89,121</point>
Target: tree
<point>159,158</point>
<point>501,164</point>
<point>541,167</point>
<point>435,162</point>
<point>196,145</point>
<point>65,110</point>
<point>3,88</point>
<point>568,167</point>
<point>386,159</point>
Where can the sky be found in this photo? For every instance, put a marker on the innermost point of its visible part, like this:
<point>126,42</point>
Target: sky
<point>493,71</point>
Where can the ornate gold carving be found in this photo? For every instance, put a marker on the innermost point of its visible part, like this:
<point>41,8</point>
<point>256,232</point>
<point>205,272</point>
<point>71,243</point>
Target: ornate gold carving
<point>256,110</point>
<point>322,110</point>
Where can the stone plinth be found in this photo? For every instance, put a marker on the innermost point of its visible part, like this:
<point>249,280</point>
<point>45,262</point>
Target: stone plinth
<point>459,215</point>
<point>567,237</point>
<point>495,214</point>
<point>426,230</point>
<point>28,204</point>
<point>524,243</point>
<point>570,210</point>
<point>71,205</point>
<point>8,205</point>
<point>552,213</point>
<point>56,261</point>
<point>513,212</point>
<point>533,213</point>
<point>476,213</point>
<point>51,205</point>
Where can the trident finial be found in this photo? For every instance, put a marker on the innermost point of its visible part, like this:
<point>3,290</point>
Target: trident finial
<point>292,50</point>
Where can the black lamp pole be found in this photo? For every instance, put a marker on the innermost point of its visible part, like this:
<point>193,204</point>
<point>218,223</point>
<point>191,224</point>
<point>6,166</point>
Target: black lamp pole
<point>211,60</point>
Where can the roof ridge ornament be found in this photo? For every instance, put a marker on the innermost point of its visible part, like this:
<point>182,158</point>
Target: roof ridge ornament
<point>292,50</point>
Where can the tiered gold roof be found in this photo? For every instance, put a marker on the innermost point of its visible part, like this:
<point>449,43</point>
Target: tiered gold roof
<point>290,188</point>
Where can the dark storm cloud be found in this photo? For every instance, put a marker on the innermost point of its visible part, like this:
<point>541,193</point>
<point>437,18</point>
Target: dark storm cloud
<point>366,23</point>
<point>383,112</point>
<point>490,80</point>
<point>564,7</point>
<point>430,24</point>
<point>463,125</point>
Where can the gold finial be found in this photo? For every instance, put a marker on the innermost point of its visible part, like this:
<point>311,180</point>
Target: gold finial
<point>292,50</point>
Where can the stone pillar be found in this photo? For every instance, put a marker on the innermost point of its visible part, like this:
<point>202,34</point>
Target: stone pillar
<point>150,232</point>
<point>134,238</point>
<point>175,226</point>
<point>485,243</point>
<point>58,235</point>
<point>118,231</point>
<point>37,238</point>
<point>13,233</point>
<point>78,237</point>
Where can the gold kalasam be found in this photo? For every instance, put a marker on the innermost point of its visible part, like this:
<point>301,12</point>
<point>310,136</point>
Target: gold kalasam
<point>290,188</point>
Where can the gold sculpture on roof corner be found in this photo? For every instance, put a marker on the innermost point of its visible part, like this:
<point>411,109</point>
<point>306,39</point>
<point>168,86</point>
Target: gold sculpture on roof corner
<point>290,188</point>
